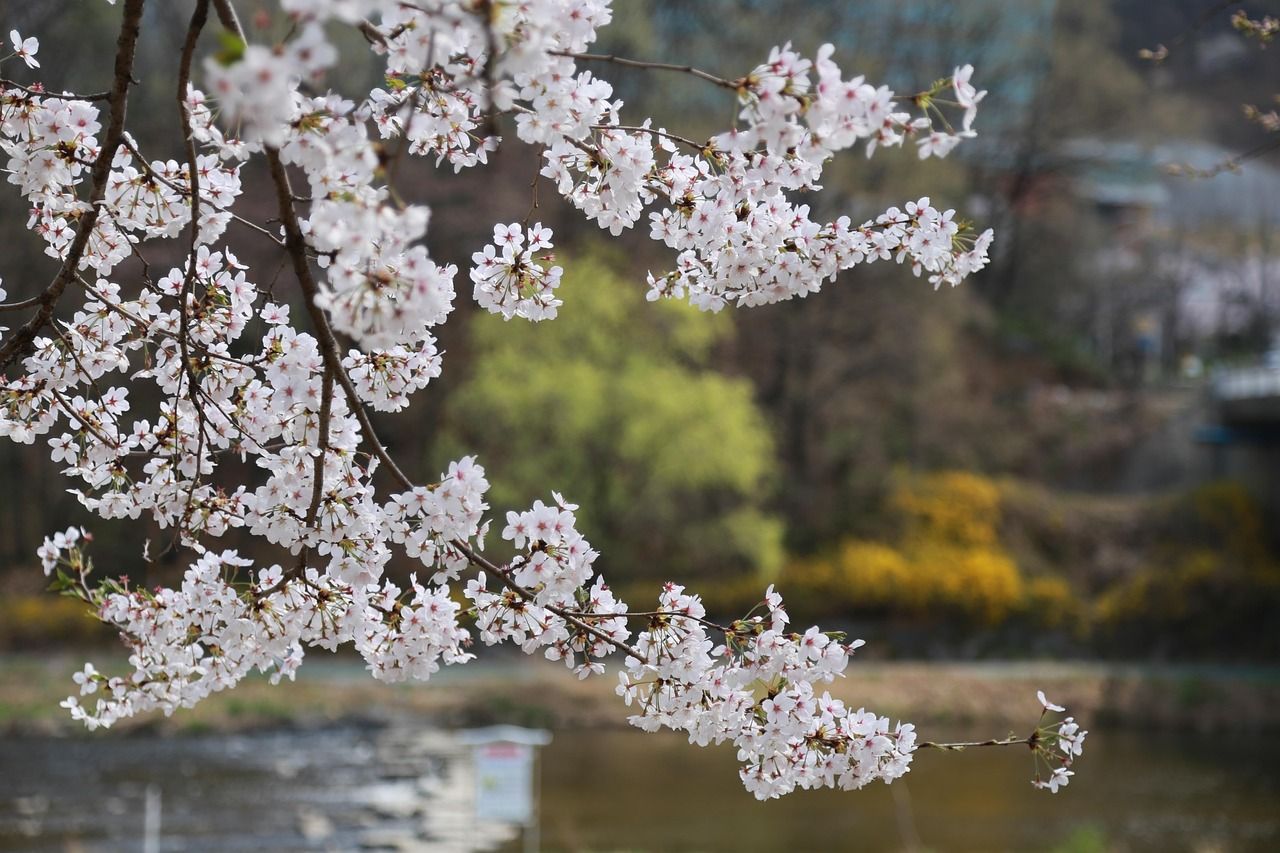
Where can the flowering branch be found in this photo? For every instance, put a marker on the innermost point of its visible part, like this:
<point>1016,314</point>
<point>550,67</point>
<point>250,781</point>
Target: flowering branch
<point>733,210</point>
<point>126,46</point>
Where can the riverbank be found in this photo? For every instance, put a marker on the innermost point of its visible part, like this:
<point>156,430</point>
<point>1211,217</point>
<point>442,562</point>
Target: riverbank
<point>502,688</point>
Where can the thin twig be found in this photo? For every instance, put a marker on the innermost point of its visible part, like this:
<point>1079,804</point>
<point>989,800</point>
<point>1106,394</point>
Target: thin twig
<point>734,85</point>
<point>317,470</point>
<point>1161,51</point>
<point>18,306</point>
<point>654,614</point>
<point>44,93</point>
<point>957,747</point>
<point>528,595</point>
<point>198,18</point>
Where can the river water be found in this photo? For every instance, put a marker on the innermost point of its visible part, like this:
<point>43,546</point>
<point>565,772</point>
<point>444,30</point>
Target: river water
<point>398,788</point>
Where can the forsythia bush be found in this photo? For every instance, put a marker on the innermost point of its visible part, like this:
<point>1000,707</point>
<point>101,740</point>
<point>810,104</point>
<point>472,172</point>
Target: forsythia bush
<point>38,621</point>
<point>1204,578</point>
<point>1052,603</point>
<point>1223,593</point>
<point>955,507</point>
<point>947,556</point>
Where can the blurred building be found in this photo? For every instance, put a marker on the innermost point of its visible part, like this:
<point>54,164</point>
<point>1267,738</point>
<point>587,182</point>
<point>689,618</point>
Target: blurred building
<point>1207,241</point>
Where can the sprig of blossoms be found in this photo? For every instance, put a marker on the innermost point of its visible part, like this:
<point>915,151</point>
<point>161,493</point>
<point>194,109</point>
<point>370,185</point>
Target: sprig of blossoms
<point>757,690</point>
<point>206,636</point>
<point>1056,747</point>
<point>544,582</point>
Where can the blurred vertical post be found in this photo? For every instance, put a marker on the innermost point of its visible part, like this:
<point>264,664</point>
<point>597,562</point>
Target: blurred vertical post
<point>151,821</point>
<point>507,777</point>
<point>533,827</point>
<point>906,818</point>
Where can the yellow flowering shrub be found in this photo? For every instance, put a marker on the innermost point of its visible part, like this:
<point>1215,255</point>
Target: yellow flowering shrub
<point>1052,602</point>
<point>1189,572</point>
<point>1214,586</point>
<point>957,507</point>
<point>983,583</point>
<point>34,621</point>
<point>872,575</point>
<point>947,557</point>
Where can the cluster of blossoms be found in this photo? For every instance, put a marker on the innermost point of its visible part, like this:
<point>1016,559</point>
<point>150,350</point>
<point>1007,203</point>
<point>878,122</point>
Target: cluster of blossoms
<point>1057,744</point>
<point>51,143</point>
<point>726,205</point>
<point>508,278</point>
<point>144,387</point>
<point>543,584</point>
<point>757,691</point>
<point>205,636</point>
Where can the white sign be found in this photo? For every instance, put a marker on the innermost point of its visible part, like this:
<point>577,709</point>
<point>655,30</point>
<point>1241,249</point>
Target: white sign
<point>504,782</point>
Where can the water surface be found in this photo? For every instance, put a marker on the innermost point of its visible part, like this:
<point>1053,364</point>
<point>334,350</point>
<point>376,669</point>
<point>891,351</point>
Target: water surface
<point>348,789</point>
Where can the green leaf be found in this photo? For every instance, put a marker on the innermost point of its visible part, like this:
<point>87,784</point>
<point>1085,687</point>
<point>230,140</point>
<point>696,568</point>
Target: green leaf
<point>231,50</point>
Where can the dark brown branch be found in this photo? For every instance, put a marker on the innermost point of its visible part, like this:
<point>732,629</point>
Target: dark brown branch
<point>198,18</point>
<point>74,415</point>
<point>528,595</point>
<point>227,15</point>
<point>317,470</point>
<point>654,614</point>
<point>653,131</point>
<point>296,244</point>
<point>20,342</point>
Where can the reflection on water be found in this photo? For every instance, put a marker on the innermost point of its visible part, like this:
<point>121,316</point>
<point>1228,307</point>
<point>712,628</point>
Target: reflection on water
<point>1164,793</point>
<point>349,789</point>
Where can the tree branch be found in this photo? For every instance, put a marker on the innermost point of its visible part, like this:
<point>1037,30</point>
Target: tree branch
<point>227,15</point>
<point>42,93</point>
<point>722,82</point>
<point>958,747</point>
<point>198,18</point>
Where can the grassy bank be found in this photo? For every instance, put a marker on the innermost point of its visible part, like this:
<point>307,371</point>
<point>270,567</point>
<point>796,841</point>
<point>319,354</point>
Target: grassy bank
<point>530,692</point>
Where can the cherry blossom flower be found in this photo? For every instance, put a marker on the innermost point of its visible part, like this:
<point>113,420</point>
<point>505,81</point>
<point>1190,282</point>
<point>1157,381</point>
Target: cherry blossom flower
<point>1046,704</point>
<point>25,49</point>
<point>1057,779</point>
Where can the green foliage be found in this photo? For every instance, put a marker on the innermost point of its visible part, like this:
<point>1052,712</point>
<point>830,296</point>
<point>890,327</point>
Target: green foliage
<point>1089,838</point>
<point>615,405</point>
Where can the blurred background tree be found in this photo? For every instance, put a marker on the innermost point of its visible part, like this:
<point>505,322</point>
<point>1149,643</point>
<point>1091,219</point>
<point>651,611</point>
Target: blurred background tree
<point>616,403</point>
